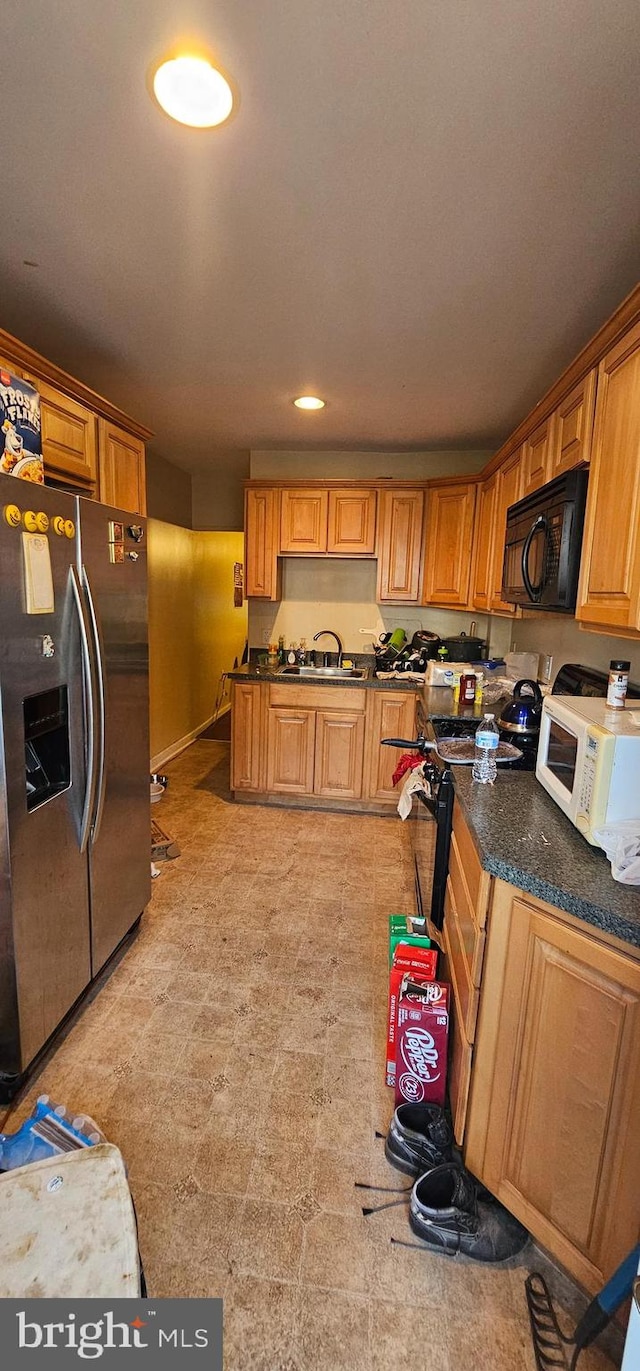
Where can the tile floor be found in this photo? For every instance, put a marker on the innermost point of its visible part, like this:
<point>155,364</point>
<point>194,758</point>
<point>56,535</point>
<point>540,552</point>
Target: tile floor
<point>236,1057</point>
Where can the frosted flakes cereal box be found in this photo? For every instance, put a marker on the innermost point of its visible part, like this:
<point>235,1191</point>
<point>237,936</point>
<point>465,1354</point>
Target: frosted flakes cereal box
<point>20,438</point>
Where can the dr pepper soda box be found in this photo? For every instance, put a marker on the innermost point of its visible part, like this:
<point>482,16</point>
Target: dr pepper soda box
<point>421,965</point>
<point>422,1040</point>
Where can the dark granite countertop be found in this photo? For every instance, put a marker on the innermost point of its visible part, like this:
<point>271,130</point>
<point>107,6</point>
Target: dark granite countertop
<point>253,672</point>
<point>523,838</point>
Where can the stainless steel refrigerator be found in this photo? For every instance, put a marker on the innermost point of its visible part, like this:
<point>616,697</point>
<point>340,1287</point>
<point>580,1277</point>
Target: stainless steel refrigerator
<point>74,754</point>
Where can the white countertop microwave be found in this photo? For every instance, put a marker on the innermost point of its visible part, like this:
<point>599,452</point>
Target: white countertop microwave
<point>589,761</point>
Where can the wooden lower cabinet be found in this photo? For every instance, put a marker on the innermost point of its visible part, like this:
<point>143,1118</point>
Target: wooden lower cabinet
<point>121,461</point>
<point>246,735</point>
<point>554,1119</point>
<point>291,739</point>
<point>339,754</point>
<point>390,714</point>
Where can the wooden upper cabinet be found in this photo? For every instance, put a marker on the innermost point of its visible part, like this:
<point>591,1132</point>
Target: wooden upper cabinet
<point>121,468</point>
<point>399,545</point>
<point>303,521</point>
<point>609,592</point>
<point>352,522</point>
<point>261,539</point>
<point>449,537</point>
<point>69,439</point>
<point>508,490</point>
<point>537,453</point>
<point>574,427</point>
<point>556,1090</point>
<point>339,754</point>
<point>483,543</point>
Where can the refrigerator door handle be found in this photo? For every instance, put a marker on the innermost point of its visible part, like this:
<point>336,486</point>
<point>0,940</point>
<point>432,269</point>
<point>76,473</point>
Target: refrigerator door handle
<point>98,657</point>
<point>90,695</point>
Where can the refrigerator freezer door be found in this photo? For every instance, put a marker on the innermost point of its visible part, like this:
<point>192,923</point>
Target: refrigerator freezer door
<point>44,900</point>
<point>120,846</point>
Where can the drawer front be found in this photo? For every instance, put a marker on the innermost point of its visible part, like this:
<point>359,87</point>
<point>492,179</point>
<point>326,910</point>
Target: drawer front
<point>476,879</point>
<point>472,938</point>
<point>466,994</point>
<point>294,696</point>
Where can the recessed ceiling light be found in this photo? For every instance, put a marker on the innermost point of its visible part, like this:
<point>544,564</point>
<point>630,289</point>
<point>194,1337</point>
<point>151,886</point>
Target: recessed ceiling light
<point>193,92</point>
<point>309,402</point>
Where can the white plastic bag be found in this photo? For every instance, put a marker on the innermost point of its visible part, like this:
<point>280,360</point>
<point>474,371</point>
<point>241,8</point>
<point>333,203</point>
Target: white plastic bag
<point>621,843</point>
<point>413,781</point>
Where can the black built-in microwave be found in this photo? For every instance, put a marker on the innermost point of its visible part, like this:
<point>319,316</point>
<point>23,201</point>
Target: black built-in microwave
<point>543,542</point>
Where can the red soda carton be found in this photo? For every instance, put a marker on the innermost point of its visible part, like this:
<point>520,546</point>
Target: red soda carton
<point>421,964</point>
<point>422,1039</point>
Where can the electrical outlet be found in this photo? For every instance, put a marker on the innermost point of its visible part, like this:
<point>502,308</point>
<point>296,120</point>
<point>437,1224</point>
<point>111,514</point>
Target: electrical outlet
<point>266,636</point>
<point>546,667</point>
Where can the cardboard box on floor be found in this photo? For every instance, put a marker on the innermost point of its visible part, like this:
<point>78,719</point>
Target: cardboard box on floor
<point>422,1037</point>
<point>421,963</point>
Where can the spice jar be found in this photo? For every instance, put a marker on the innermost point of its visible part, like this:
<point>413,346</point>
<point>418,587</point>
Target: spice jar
<point>618,682</point>
<point>467,688</point>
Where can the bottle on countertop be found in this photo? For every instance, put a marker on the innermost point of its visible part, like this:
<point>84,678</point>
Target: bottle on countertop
<point>467,688</point>
<point>618,682</point>
<point>487,738</point>
<point>291,655</point>
<point>302,652</point>
<point>479,688</point>
<point>282,651</point>
<point>273,658</point>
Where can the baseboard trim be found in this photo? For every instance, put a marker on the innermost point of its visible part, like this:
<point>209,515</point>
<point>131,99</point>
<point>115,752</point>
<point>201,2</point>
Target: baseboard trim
<point>173,750</point>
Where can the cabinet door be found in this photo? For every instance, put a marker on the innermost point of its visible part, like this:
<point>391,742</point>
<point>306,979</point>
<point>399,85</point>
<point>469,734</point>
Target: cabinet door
<point>121,468</point>
<point>261,537</point>
<point>508,490</point>
<point>483,544</point>
<point>339,754</point>
<point>574,428</point>
<point>563,1143</point>
<point>246,714</point>
<point>400,523</point>
<point>352,522</point>
<point>609,592</point>
<point>303,521</point>
<point>390,714</point>
<point>537,456</point>
<point>69,439</point>
<point>291,736</point>
<point>449,539</point>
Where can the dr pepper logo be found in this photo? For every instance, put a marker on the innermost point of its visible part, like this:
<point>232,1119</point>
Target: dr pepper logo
<point>420,1054</point>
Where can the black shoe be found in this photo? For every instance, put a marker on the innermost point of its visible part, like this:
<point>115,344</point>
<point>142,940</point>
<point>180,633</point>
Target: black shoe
<point>446,1212</point>
<point>419,1138</point>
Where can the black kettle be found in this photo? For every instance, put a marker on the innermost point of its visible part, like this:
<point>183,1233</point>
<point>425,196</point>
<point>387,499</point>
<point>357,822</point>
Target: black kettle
<point>522,713</point>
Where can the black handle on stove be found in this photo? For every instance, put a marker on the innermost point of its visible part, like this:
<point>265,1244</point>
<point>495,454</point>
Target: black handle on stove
<point>417,744</point>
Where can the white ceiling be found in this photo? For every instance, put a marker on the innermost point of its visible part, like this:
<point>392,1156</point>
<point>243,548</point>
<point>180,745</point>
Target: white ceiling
<point>421,211</point>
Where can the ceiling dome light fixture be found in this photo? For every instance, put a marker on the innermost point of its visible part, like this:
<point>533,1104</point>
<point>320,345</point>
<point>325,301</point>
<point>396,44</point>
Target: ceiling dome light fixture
<point>193,92</point>
<point>309,402</point>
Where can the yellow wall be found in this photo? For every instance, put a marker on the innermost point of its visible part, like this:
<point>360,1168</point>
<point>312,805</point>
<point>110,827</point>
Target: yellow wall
<point>195,633</point>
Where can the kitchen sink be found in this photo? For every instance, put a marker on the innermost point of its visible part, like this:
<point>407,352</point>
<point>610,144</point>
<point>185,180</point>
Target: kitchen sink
<point>326,672</point>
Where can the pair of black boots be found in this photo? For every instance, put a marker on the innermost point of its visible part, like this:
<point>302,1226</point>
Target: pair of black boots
<point>449,1210</point>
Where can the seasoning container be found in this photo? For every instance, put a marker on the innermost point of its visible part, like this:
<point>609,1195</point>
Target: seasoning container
<point>479,691</point>
<point>273,658</point>
<point>467,688</point>
<point>618,682</point>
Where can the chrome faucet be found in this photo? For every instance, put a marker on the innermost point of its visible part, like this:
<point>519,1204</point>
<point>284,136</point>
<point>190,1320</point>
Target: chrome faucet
<point>329,633</point>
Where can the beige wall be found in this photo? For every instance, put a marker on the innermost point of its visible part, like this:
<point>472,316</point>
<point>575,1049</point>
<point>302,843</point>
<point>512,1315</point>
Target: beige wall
<point>567,642</point>
<point>168,491</point>
<point>363,466</point>
<point>195,633</point>
<point>341,594</point>
<point>218,495</point>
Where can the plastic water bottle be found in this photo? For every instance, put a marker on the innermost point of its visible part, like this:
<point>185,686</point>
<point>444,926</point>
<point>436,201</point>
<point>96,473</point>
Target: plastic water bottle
<point>485,768</point>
